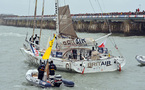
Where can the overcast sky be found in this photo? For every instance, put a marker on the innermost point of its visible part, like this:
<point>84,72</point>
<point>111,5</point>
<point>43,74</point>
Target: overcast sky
<point>26,7</point>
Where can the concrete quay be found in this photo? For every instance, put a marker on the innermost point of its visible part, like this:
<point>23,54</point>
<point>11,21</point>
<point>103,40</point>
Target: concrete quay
<point>128,24</point>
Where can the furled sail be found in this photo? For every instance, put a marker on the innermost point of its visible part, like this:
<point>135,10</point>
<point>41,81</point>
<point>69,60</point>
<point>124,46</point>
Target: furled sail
<point>65,22</point>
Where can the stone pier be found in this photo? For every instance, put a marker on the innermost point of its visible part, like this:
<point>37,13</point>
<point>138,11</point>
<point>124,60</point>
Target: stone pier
<point>128,25</point>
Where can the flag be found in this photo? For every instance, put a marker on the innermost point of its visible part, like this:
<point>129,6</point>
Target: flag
<point>35,51</point>
<point>102,45</point>
<point>48,51</point>
<point>32,49</point>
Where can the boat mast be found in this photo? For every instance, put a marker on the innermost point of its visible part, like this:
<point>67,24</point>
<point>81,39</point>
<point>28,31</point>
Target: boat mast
<point>57,16</point>
<point>34,18</point>
<point>41,21</point>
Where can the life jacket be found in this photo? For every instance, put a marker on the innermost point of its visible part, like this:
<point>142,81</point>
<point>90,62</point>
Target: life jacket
<point>41,68</point>
<point>52,69</point>
<point>37,39</point>
<point>31,39</point>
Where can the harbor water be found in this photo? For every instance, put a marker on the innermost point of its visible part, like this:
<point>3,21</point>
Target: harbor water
<point>13,65</point>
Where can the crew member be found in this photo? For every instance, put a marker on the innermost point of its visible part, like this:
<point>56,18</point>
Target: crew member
<point>52,69</point>
<point>74,53</point>
<point>41,69</point>
<point>31,40</point>
<point>36,39</point>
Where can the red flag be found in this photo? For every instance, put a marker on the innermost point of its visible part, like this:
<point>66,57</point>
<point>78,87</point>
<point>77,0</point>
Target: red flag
<point>102,45</point>
<point>36,52</point>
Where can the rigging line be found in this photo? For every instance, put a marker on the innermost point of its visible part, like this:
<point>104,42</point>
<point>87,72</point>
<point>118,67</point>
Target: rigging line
<point>103,5</point>
<point>29,8</point>
<point>104,18</point>
<point>34,25</point>
<point>64,2</point>
<point>107,21</point>
<point>92,6</point>
<point>66,27</point>
<point>114,44</point>
<point>27,19</point>
<point>41,21</point>
<point>99,6</point>
<point>44,35</point>
<point>112,41</point>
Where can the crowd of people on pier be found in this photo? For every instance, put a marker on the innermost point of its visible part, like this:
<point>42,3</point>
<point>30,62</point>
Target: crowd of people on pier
<point>137,12</point>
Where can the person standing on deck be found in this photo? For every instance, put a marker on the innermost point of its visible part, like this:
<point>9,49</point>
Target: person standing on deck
<point>31,40</point>
<point>36,41</point>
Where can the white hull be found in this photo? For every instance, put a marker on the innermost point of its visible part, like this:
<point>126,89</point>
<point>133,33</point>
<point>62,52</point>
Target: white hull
<point>140,59</point>
<point>35,60</point>
<point>89,66</point>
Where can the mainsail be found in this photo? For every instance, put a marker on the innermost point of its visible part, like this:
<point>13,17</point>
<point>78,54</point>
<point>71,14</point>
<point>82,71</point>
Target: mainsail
<point>65,22</point>
<point>67,36</point>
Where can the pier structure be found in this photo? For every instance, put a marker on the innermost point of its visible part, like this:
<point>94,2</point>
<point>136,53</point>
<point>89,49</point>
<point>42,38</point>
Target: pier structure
<point>127,23</point>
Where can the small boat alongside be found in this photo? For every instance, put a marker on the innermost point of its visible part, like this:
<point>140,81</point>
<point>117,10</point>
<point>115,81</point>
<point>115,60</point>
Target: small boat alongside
<point>140,59</point>
<point>32,78</point>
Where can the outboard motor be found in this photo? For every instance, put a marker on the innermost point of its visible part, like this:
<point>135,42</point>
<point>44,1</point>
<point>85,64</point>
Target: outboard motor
<point>57,80</point>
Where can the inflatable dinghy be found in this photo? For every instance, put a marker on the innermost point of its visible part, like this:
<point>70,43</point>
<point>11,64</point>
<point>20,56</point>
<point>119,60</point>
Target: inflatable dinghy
<point>140,59</point>
<point>32,78</point>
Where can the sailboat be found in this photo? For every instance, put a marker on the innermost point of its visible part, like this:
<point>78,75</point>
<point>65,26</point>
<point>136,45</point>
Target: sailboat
<point>30,48</point>
<point>75,54</point>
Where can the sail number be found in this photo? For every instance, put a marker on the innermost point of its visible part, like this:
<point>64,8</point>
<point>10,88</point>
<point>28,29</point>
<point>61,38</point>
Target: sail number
<point>74,42</point>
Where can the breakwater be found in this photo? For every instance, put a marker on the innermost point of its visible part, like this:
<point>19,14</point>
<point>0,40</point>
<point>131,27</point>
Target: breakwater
<point>126,24</point>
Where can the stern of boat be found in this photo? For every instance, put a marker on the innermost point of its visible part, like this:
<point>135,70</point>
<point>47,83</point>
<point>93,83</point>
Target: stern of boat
<point>120,60</point>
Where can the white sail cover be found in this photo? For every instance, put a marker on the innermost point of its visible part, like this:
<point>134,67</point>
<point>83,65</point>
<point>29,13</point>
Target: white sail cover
<point>65,22</point>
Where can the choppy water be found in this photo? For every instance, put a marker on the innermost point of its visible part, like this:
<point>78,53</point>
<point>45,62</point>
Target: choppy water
<point>13,66</point>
